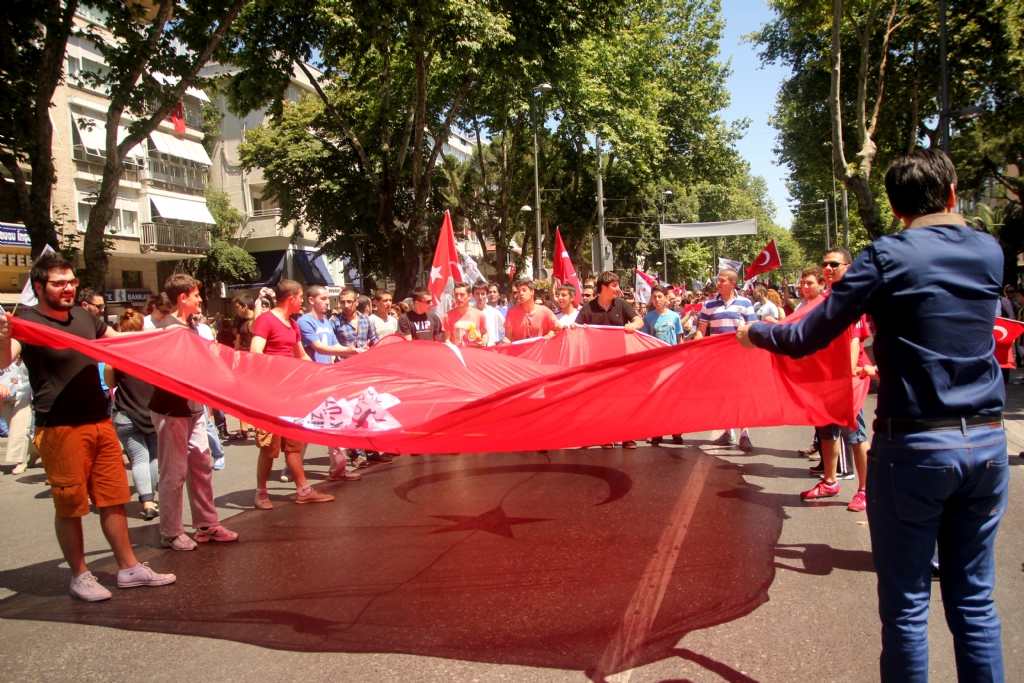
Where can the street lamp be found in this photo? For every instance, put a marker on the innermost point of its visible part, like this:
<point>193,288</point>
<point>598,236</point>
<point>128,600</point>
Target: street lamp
<point>537,256</point>
<point>664,250</point>
<point>828,226</point>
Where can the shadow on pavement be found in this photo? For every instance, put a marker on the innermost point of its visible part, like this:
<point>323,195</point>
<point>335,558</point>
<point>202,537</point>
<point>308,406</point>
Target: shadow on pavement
<point>523,559</point>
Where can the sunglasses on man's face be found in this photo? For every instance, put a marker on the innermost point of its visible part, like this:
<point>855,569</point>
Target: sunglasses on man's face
<point>832,264</point>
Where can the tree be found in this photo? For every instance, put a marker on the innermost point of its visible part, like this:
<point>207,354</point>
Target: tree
<point>33,38</point>
<point>223,262</point>
<point>153,52</point>
<point>394,79</point>
<point>892,49</point>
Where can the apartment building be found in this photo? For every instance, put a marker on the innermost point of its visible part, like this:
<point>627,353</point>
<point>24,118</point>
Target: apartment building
<point>161,218</point>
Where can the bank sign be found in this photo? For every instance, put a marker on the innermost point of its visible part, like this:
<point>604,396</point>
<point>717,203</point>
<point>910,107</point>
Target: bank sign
<point>14,235</point>
<point>128,296</point>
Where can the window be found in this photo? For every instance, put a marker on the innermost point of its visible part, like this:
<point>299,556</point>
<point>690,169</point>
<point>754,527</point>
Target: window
<point>83,215</point>
<point>129,222</point>
<point>131,279</point>
<point>257,205</point>
<point>93,14</point>
<point>74,68</point>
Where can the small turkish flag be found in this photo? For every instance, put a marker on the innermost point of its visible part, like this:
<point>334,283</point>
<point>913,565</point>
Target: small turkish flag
<point>1006,331</point>
<point>563,273</point>
<point>446,269</point>
<point>768,259</point>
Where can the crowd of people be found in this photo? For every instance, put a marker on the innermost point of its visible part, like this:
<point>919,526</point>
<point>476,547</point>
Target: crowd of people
<point>83,418</point>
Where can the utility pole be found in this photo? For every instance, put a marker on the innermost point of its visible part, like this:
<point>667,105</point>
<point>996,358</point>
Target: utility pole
<point>944,77</point>
<point>600,265</point>
<point>846,222</point>
<point>538,255</point>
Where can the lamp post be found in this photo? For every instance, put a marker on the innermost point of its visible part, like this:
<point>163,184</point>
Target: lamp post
<point>537,254</point>
<point>828,226</point>
<point>358,239</point>
<point>664,250</point>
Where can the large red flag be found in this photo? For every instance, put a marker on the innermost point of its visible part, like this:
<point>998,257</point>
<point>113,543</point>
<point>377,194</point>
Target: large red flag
<point>1006,331</point>
<point>563,273</point>
<point>768,259</point>
<point>424,397</point>
<point>446,269</point>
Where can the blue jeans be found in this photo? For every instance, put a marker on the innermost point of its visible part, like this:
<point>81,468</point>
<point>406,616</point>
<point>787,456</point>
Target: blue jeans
<point>949,487</point>
<point>141,449</point>
<point>216,450</point>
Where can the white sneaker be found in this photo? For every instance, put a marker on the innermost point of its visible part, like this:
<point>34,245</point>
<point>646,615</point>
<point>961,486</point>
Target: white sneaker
<point>726,439</point>
<point>142,575</point>
<point>87,587</point>
<point>218,463</point>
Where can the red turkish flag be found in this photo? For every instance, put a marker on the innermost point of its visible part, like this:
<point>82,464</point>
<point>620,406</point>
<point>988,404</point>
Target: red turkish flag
<point>446,269</point>
<point>1006,331</point>
<point>178,118</point>
<point>768,259</point>
<point>563,273</point>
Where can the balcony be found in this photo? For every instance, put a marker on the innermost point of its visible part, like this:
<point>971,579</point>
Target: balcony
<point>177,176</point>
<point>87,161</point>
<point>263,223</point>
<point>180,239</point>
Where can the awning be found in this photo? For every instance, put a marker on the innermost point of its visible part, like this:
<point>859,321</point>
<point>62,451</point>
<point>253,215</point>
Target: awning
<point>186,149</point>
<point>269,267</point>
<point>313,268</point>
<point>182,209</point>
<point>93,132</point>
<point>171,80</point>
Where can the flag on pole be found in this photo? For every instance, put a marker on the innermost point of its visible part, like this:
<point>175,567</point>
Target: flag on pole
<point>563,273</point>
<point>644,282</point>
<point>28,295</point>
<point>446,269</point>
<point>768,259</point>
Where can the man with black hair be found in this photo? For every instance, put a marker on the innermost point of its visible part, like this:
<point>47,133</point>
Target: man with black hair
<point>530,318</point>
<point>938,468</point>
<point>183,442</point>
<point>421,322</point>
<point>564,297</point>
<point>464,325</point>
<point>494,319</point>
<point>609,308</point>
<point>74,434</point>
<point>92,301</point>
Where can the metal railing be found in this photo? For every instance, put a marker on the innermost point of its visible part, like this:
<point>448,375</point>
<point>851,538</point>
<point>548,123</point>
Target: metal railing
<point>179,238</point>
<point>88,162</point>
<point>175,174</point>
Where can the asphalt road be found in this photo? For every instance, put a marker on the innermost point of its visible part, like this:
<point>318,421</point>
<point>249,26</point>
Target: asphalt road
<point>671,564</point>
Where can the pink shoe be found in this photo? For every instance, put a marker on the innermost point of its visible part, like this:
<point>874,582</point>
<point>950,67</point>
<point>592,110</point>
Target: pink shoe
<point>215,533</point>
<point>859,502</point>
<point>822,490</point>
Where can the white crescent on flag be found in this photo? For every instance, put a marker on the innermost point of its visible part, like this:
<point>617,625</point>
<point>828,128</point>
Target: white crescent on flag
<point>767,258</point>
<point>1000,329</point>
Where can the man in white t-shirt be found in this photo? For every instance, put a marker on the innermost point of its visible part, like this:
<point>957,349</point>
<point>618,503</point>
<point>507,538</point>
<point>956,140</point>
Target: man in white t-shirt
<point>495,319</point>
<point>381,318</point>
<point>567,313</point>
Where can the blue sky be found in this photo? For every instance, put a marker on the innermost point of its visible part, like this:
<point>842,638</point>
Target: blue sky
<point>753,91</point>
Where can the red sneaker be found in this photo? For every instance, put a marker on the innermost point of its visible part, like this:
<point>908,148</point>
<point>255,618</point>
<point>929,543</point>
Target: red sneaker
<point>822,490</point>
<point>859,502</point>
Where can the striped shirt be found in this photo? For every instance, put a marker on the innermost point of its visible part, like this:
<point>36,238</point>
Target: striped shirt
<point>725,319</point>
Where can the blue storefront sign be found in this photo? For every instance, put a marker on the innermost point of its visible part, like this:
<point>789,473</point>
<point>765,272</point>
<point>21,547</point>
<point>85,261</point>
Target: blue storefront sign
<point>128,296</point>
<point>14,235</point>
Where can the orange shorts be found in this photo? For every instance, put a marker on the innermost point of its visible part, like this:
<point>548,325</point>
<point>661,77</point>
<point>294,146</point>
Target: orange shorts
<point>83,462</point>
<point>271,445</point>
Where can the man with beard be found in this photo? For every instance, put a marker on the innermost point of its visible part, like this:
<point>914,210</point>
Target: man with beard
<point>74,434</point>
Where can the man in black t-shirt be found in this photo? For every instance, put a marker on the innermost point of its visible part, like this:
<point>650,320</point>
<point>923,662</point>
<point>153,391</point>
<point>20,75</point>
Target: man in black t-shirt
<point>609,308</point>
<point>421,322</point>
<point>74,434</point>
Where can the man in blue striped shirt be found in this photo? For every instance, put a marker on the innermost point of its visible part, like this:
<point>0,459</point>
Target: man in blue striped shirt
<point>725,314</point>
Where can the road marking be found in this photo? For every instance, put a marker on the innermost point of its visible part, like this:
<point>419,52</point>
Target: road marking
<point>621,653</point>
